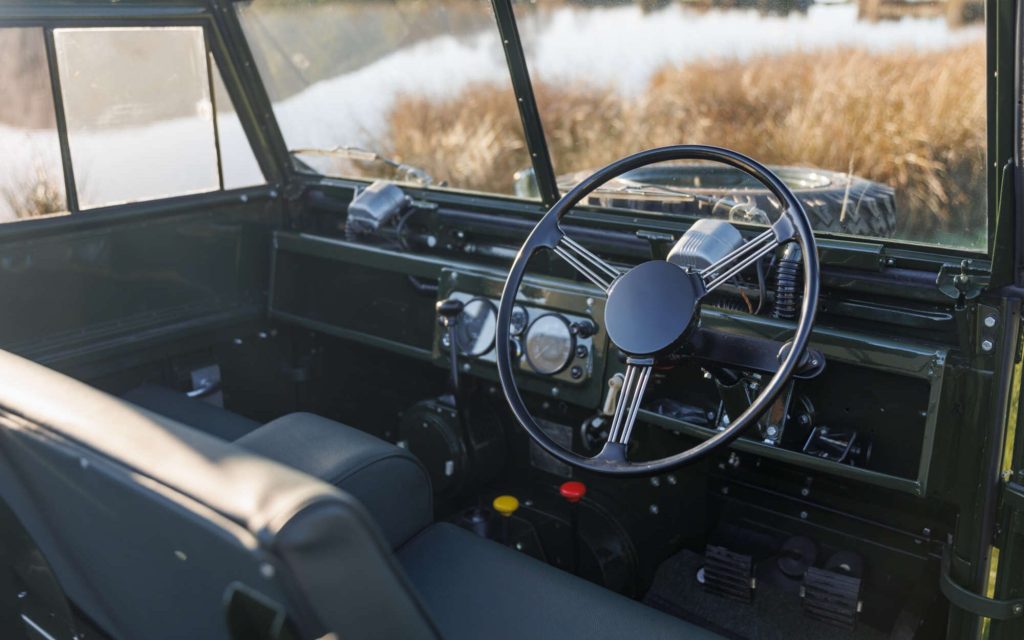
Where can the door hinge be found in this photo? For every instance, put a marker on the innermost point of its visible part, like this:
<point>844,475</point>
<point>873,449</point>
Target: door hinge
<point>975,603</point>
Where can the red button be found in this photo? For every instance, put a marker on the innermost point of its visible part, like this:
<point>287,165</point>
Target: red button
<point>573,491</point>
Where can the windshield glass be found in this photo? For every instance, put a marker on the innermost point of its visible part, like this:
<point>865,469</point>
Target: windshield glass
<point>382,89</point>
<point>873,111</point>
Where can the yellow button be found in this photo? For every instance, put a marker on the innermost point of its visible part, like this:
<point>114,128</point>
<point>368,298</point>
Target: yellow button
<point>505,505</point>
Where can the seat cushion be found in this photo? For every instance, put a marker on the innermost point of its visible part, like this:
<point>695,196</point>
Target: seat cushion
<point>475,588</point>
<point>390,482</point>
<point>197,414</point>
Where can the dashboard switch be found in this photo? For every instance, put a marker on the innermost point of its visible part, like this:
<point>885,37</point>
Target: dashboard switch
<point>583,329</point>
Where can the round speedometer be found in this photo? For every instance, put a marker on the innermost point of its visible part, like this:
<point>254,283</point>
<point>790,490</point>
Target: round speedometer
<point>474,332</point>
<point>549,344</point>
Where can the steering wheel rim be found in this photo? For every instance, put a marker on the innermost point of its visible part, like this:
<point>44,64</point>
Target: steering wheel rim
<point>793,225</point>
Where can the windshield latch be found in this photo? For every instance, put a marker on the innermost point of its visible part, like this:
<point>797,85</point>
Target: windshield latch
<point>963,282</point>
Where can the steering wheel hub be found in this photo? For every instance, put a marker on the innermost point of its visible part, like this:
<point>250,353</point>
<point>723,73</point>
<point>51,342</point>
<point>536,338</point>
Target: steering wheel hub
<point>652,308</point>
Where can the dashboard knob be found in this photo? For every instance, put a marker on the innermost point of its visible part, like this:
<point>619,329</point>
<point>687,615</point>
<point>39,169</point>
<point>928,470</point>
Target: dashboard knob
<point>583,329</point>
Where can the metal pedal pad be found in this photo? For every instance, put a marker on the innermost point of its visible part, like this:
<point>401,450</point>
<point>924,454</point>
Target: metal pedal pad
<point>831,597</point>
<point>729,574</point>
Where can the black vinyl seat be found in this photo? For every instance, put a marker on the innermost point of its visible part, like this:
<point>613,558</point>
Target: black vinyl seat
<point>389,481</point>
<point>475,589</point>
<point>155,530</point>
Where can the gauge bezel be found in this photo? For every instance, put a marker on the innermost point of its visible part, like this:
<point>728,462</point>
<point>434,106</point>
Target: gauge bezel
<point>526,324</point>
<point>572,344</point>
<point>494,311</point>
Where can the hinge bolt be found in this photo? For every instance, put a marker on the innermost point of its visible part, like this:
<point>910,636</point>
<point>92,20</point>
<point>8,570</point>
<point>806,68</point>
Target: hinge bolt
<point>986,345</point>
<point>990,321</point>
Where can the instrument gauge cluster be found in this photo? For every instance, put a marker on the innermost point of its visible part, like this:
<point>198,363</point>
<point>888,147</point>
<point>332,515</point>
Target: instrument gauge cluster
<point>545,342</point>
<point>474,332</point>
<point>549,344</point>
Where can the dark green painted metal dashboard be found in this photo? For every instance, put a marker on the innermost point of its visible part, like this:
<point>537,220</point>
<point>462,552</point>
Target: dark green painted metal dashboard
<point>888,388</point>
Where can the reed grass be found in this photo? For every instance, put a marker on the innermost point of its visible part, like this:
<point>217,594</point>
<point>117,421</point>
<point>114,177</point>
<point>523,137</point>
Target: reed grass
<point>914,120</point>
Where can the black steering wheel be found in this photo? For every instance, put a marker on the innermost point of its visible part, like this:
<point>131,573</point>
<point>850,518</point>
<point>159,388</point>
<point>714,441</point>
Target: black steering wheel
<point>653,309</point>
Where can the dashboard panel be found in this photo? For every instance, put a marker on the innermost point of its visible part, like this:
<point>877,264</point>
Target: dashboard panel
<point>885,389</point>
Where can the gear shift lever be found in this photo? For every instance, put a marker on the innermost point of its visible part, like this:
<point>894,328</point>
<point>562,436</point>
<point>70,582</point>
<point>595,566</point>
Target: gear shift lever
<point>448,312</point>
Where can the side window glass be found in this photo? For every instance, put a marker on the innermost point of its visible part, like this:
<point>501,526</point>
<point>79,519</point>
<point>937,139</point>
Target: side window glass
<point>139,104</point>
<point>31,175</point>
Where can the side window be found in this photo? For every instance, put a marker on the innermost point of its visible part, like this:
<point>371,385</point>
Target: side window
<point>147,116</point>
<point>31,176</point>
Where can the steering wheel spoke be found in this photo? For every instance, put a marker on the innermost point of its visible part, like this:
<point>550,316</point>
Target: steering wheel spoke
<point>730,265</point>
<point>638,374</point>
<point>589,265</point>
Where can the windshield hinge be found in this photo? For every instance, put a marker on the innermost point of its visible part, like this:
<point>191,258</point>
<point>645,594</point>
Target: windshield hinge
<point>972,602</point>
<point>963,282</point>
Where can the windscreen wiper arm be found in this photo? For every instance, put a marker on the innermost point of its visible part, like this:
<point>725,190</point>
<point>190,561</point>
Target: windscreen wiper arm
<point>365,155</point>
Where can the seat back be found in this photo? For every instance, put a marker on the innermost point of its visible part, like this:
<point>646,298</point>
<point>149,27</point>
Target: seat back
<point>157,531</point>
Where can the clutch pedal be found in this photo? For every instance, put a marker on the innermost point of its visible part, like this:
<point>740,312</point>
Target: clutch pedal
<point>729,574</point>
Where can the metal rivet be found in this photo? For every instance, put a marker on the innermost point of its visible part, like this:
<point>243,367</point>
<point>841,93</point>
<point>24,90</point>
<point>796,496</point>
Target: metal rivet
<point>653,509</point>
<point>803,515</point>
<point>805,492</point>
<point>267,570</point>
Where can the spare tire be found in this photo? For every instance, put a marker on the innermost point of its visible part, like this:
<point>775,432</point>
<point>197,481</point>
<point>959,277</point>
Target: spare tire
<point>835,202</point>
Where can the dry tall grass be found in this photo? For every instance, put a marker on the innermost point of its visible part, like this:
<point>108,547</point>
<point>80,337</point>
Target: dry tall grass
<point>913,120</point>
<point>33,197</point>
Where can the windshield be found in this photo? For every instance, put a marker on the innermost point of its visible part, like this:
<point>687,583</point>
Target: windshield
<point>369,89</point>
<point>873,111</point>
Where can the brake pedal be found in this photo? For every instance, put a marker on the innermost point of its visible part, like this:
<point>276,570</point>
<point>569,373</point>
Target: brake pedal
<point>831,597</point>
<point>729,574</point>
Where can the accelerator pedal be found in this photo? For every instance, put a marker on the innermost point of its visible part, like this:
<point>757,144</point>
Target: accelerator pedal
<point>729,574</point>
<point>831,597</point>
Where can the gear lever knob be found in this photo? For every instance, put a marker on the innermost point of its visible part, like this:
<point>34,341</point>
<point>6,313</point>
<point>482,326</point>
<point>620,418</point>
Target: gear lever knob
<point>448,310</point>
<point>573,491</point>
